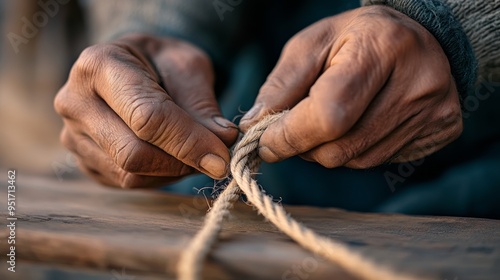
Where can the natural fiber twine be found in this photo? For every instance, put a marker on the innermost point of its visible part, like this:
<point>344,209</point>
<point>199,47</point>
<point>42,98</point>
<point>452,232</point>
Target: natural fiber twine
<point>245,162</point>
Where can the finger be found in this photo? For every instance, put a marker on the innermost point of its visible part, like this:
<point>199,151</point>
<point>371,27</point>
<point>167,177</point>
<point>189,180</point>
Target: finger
<point>95,163</point>
<point>353,152</point>
<point>429,144</point>
<point>135,95</point>
<point>336,101</point>
<point>95,175</point>
<point>299,65</point>
<point>385,114</point>
<point>410,142</point>
<point>130,181</point>
<point>187,76</point>
<point>445,127</point>
<point>121,145</point>
<point>84,149</point>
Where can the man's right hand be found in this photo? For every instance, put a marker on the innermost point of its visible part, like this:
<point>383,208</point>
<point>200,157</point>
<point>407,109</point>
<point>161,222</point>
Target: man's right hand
<point>141,112</point>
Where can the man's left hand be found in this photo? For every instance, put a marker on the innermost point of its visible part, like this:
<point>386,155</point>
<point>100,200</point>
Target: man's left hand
<point>364,87</point>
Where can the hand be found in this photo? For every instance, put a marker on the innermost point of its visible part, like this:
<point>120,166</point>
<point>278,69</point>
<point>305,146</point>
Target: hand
<point>364,87</point>
<point>141,112</point>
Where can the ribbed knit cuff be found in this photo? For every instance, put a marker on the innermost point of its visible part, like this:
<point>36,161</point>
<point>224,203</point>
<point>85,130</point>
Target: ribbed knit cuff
<point>439,20</point>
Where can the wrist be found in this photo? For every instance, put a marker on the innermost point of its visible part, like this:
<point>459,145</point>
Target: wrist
<point>439,20</point>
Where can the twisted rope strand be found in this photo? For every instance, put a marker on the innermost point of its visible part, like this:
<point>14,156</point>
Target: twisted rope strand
<point>244,161</point>
<point>191,261</point>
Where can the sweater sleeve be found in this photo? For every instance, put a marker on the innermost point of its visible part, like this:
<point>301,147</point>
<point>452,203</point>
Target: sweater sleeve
<point>468,31</point>
<point>211,25</point>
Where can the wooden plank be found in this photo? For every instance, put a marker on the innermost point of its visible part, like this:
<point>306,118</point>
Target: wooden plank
<point>82,225</point>
<point>37,271</point>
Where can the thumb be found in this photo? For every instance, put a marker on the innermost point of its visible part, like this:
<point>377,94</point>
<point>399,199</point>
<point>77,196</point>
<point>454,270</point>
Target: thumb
<point>300,63</point>
<point>189,80</point>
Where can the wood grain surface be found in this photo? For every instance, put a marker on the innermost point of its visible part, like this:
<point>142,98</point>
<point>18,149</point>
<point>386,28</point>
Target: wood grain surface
<point>76,229</point>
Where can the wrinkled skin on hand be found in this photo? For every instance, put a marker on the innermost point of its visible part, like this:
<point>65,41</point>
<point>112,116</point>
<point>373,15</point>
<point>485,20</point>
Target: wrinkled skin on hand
<point>141,112</point>
<point>364,87</point>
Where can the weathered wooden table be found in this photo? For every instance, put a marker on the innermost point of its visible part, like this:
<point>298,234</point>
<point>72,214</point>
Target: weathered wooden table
<point>79,230</point>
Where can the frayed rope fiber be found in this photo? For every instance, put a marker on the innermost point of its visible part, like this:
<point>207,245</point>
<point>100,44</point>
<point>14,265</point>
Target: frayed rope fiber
<point>245,162</point>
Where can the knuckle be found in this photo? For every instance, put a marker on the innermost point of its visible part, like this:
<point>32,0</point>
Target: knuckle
<point>128,156</point>
<point>66,104</point>
<point>433,84</point>
<point>344,153</point>
<point>361,163</point>
<point>454,108</point>
<point>190,60</point>
<point>336,155</point>
<point>402,36</point>
<point>274,83</point>
<point>130,181</point>
<point>66,139</point>
<point>399,39</point>
<point>304,38</point>
<point>96,60</point>
<point>81,79</point>
<point>89,61</point>
<point>328,162</point>
<point>197,58</point>
<point>409,155</point>
<point>162,128</point>
<point>61,103</point>
<point>147,120</point>
<point>290,139</point>
<point>133,158</point>
<point>184,170</point>
<point>457,129</point>
<point>331,124</point>
<point>296,41</point>
<point>185,146</point>
<point>96,175</point>
<point>434,80</point>
<point>454,130</point>
<point>451,116</point>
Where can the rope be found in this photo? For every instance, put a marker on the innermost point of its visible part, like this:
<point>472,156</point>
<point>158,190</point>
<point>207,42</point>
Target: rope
<point>244,163</point>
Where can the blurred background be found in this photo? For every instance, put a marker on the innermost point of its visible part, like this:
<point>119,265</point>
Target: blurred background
<point>36,53</point>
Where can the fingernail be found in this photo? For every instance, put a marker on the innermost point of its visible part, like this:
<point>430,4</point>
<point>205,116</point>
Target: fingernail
<point>252,113</point>
<point>223,122</point>
<point>266,154</point>
<point>214,165</point>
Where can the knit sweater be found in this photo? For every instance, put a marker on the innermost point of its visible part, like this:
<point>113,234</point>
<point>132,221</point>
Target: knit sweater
<point>468,30</point>
<point>209,26</point>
